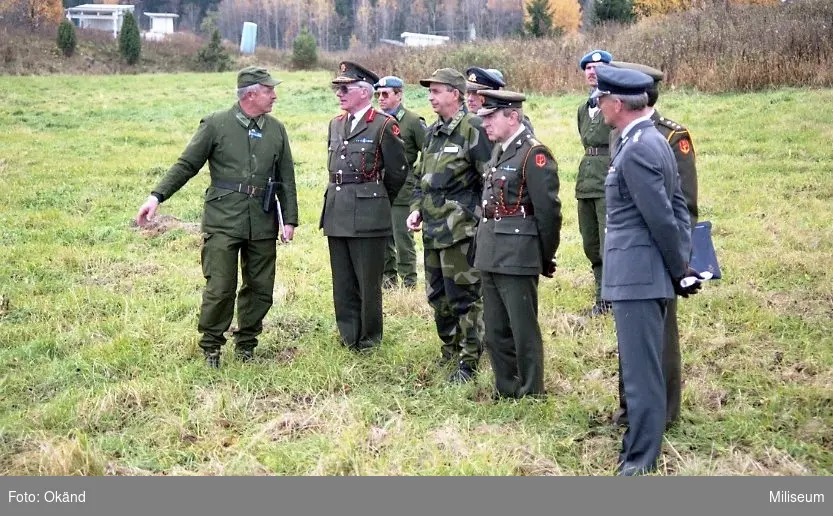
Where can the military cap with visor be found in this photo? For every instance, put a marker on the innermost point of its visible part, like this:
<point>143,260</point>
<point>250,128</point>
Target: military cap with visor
<point>352,72</point>
<point>650,71</point>
<point>448,76</point>
<point>482,79</point>
<point>620,81</point>
<point>499,99</point>
<point>595,56</point>
<point>255,75</point>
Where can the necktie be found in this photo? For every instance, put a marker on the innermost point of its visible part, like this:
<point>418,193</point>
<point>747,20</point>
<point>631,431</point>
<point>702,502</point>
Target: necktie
<point>349,127</point>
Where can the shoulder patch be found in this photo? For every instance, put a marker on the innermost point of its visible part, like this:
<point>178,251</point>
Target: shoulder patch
<point>540,159</point>
<point>685,146</point>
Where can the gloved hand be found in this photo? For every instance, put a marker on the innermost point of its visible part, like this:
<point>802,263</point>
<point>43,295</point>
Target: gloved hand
<point>693,287</point>
<point>549,269</point>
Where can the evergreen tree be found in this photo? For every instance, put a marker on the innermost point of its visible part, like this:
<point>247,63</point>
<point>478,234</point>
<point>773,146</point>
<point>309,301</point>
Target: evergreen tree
<point>213,57</point>
<point>66,38</point>
<point>612,10</point>
<point>130,41</point>
<point>304,50</point>
<point>539,18</point>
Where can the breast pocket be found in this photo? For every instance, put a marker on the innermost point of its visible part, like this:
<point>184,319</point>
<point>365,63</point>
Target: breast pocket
<point>516,242</point>
<point>372,211</point>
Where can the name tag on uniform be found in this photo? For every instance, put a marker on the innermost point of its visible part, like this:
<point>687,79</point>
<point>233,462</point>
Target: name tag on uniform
<point>451,148</point>
<point>510,169</point>
<point>364,140</point>
<point>254,133</point>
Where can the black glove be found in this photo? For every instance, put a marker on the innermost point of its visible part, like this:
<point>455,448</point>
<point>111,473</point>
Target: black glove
<point>692,289</point>
<point>549,269</point>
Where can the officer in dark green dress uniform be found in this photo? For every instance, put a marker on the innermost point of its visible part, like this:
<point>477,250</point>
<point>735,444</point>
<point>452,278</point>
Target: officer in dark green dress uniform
<point>590,192</point>
<point>400,255</point>
<point>516,241</point>
<point>367,167</point>
<point>680,140</point>
<point>249,159</point>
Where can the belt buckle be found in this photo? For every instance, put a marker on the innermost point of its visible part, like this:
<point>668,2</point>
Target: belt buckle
<point>250,190</point>
<point>338,177</point>
<point>523,210</point>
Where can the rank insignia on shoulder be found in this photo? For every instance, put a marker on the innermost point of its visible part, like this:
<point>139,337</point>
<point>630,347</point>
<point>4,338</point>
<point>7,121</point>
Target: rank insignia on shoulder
<point>540,159</point>
<point>637,135</point>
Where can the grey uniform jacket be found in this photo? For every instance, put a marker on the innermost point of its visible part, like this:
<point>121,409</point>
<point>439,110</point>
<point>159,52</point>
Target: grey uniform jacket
<point>648,229</point>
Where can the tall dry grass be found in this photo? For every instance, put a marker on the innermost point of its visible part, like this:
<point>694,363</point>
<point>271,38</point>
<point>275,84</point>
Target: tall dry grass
<point>726,48</point>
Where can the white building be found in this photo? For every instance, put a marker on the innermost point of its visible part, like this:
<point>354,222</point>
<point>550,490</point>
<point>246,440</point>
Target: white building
<point>99,16</point>
<point>161,24</point>
<point>414,39</point>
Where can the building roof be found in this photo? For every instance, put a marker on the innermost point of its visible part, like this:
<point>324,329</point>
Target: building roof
<point>162,15</point>
<point>102,8</point>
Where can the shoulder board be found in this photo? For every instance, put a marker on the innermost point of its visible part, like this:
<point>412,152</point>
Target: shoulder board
<point>670,124</point>
<point>340,117</point>
<point>534,142</point>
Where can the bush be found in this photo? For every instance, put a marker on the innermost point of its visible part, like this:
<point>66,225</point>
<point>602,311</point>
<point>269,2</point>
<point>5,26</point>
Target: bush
<point>130,41</point>
<point>213,57</point>
<point>66,38</point>
<point>304,50</point>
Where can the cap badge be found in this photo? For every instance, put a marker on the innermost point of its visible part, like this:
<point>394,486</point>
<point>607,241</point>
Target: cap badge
<point>473,78</point>
<point>343,67</point>
<point>596,56</point>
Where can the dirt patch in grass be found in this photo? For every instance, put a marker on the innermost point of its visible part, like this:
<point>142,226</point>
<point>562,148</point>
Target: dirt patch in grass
<point>161,224</point>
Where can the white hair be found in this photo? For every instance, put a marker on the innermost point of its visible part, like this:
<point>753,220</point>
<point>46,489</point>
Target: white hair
<point>252,88</point>
<point>633,102</point>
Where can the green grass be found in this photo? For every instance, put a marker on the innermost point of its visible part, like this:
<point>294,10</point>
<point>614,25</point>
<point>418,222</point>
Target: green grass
<point>100,372</point>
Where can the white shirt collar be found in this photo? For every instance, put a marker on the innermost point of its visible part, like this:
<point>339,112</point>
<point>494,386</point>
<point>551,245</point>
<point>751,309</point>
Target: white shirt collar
<point>511,140</point>
<point>631,125</point>
<point>359,115</point>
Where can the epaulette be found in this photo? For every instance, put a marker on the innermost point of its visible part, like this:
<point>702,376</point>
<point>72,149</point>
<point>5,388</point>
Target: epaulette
<point>379,111</point>
<point>670,124</point>
<point>533,141</point>
<point>340,117</point>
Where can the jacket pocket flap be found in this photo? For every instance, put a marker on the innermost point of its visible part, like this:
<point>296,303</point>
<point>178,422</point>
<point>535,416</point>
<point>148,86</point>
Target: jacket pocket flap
<point>372,193</point>
<point>627,239</point>
<point>516,226</point>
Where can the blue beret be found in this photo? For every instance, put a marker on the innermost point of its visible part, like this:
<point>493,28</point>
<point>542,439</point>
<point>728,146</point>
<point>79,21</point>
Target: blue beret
<point>389,81</point>
<point>596,56</point>
<point>481,79</point>
<point>620,81</point>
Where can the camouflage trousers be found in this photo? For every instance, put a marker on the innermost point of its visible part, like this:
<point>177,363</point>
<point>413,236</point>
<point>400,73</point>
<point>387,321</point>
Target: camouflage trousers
<point>454,292</point>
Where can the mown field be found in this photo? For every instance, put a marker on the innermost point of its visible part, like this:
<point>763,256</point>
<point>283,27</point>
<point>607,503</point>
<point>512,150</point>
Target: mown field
<point>100,372</point>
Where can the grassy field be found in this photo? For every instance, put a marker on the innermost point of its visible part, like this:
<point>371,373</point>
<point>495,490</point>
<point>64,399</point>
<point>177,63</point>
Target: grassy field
<point>100,372</point>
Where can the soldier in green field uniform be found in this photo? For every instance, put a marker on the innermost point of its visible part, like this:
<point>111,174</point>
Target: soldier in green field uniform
<point>516,241</point>
<point>400,254</point>
<point>680,140</point>
<point>446,198</point>
<point>246,150</point>
<point>367,168</point>
<point>590,192</point>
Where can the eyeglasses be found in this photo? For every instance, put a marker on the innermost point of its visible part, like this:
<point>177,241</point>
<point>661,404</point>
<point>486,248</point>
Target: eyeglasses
<point>344,90</point>
<point>384,94</point>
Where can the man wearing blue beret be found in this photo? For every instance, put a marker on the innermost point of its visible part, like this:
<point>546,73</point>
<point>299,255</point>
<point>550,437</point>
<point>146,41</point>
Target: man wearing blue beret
<point>400,254</point>
<point>590,192</point>
<point>646,254</point>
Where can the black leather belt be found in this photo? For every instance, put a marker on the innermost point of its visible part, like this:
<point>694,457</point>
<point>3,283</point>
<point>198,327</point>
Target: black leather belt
<point>597,151</point>
<point>251,191</point>
<point>491,211</point>
<point>341,178</point>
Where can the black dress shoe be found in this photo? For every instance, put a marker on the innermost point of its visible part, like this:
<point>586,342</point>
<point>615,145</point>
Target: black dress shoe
<point>212,358</point>
<point>620,417</point>
<point>464,373</point>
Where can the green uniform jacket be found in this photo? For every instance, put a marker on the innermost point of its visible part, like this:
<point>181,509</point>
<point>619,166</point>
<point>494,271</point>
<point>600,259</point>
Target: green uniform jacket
<point>595,134</point>
<point>449,181</point>
<point>524,175</point>
<point>680,141</point>
<point>412,127</point>
<point>374,150</point>
<point>242,151</point>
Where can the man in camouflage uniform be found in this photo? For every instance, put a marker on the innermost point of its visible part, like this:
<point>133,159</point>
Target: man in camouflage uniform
<point>400,254</point>
<point>590,192</point>
<point>485,79</point>
<point>516,241</point>
<point>445,201</point>
<point>246,149</point>
<point>680,140</point>
<point>367,167</point>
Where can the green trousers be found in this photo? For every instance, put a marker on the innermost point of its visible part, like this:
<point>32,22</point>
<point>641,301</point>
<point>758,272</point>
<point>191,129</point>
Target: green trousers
<point>219,257</point>
<point>513,337</point>
<point>400,254</point>
<point>591,225</point>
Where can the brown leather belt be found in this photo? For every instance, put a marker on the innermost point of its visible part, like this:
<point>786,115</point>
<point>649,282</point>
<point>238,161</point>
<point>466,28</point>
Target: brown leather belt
<point>523,211</point>
<point>340,178</point>
<point>597,151</point>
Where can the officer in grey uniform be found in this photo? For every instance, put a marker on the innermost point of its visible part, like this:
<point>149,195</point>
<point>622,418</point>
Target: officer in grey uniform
<point>646,253</point>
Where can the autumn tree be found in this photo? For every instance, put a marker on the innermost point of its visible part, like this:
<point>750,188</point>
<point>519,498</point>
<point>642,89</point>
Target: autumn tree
<point>566,14</point>
<point>32,13</point>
